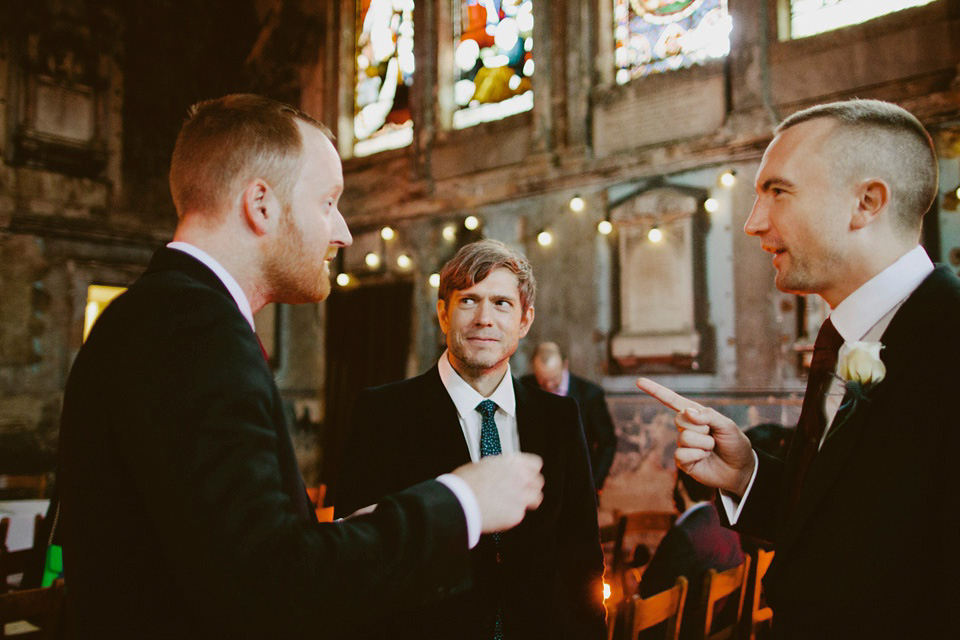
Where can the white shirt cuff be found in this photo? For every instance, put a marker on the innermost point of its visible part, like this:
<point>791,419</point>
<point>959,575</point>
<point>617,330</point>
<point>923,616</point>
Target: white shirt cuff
<point>469,504</point>
<point>732,505</point>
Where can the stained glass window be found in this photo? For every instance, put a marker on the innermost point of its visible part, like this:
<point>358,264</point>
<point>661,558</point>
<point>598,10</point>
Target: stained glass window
<point>493,56</point>
<point>809,17</point>
<point>384,72</point>
<point>653,36</point>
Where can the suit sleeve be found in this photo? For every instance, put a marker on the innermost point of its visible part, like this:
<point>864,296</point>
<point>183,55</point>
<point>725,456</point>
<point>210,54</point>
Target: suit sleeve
<point>674,557</point>
<point>200,426</point>
<point>580,537</point>
<point>598,420</point>
<point>364,466</point>
<point>758,518</point>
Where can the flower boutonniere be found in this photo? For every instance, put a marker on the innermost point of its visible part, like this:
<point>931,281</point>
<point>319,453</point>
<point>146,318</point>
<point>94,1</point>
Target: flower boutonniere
<point>861,369</point>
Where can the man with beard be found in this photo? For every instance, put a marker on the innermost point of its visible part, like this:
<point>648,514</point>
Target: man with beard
<point>862,513</point>
<point>542,579</point>
<point>183,512</point>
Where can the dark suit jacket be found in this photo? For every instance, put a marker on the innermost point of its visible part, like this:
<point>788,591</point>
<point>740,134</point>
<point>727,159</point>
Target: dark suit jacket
<point>597,424</point>
<point>871,549</point>
<point>549,583</point>
<point>183,511</point>
<point>692,547</point>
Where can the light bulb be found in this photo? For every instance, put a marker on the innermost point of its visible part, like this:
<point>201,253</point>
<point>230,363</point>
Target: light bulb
<point>387,233</point>
<point>655,235</point>
<point>605,227</point>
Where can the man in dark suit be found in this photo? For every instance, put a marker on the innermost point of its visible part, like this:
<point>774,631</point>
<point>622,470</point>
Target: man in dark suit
<point>183,512</point>
<point>696,543</point>
<point>542,579</point>
<point>552,373</point>
<point>863,512</point>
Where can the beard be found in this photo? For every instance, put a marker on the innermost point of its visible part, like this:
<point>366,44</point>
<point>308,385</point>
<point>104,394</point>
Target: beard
<point>294,273</point>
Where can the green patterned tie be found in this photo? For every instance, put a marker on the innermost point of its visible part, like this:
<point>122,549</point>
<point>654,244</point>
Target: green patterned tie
<point>490,446</point>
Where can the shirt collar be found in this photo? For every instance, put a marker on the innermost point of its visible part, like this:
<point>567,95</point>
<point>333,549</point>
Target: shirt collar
<point>466,398</point>
<point>690,509</point>
<point>228,281</point>
<point>866,306</point>
<point>564,388</point>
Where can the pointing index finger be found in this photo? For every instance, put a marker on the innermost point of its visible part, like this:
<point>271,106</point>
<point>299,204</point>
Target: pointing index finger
<point>667,397</point>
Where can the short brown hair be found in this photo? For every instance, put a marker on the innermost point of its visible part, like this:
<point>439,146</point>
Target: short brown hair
<point>474,262</point>
<point>886,141</point>
<point>230,140</point>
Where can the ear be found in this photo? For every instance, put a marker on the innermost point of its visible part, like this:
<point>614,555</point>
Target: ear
<point>873,196</point>
<point>261,208</point>
<point>442,316</point>
<point>526,321</point>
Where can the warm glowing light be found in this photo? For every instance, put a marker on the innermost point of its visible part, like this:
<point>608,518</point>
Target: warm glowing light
<point>404,261</point>
<point>712,205</point>
<point>545,238</point>
<point>606,591</point>
<point>372,260</point>
<point>471,223</point>
<point>655,235</point>
<point>728,179</point>
<point>958,192</point>
<point>605,227</point>
<point>434,280</point>
<point>577,204</point>
<point>387,233</point>
<point>98,297</point>
<point>449,233</point>
<point>343,279</point>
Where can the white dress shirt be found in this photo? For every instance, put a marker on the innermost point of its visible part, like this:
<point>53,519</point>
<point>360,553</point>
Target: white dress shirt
<point>466,399</point>
<point>459,487</point>
<point>862,316</point>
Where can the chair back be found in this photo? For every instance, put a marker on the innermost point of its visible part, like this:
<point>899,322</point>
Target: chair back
<point>720,585</point>
<point>760,613</point>
<point>19,562</point>
<point>34,613</point>
<point>666,606</point>
<point>31,486</point>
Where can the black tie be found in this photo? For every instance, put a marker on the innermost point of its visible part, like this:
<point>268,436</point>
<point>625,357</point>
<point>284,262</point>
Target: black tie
<point>812,422</point>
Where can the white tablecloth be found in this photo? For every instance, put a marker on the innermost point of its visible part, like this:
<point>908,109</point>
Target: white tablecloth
<point>21,514</point>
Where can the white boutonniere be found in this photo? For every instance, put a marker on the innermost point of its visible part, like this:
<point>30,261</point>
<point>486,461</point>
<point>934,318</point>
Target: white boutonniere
<point>860,368</point>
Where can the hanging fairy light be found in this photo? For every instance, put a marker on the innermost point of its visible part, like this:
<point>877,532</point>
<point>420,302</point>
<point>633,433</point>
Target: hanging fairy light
<point>471,223</point>
<point>343,279</point>
<point>544,238</point>
<point>605,227</point>
<point>711,205</point>
<point>449,233</point>
<point>387,233</point>
<point>372,260</point>
<point>728,178</point>
<point>404,261</point>
<point>577,204</point>
<point>434,280</point>
<point>655,235</point>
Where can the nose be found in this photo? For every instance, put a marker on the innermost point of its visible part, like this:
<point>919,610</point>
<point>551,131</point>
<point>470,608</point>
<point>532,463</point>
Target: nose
<point>340,234</point>
<point>758,222</point>
<point>484,317</point>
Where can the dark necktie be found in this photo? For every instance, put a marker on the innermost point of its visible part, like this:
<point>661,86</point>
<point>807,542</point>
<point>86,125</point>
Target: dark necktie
<point>490,446</point>
<point>812,422</point>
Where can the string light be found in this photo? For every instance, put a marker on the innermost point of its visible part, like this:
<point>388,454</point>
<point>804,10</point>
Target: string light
<point>655,235</point>
<point>434,280</point>
<point>343,279</point>
<point>449,233</point>
<point>712,205</point>
<point>471,223</point>
<point>404,261</point>
<point>577,204</point>
<point>372,260</point>
<point>387,233</point>
<point>545,238</point>
<point>605,227</point>
<point>728,178</point>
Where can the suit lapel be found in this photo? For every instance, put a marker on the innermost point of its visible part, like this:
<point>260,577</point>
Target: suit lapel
<point>907,327</point>
<point>439,423</point>
<point>529,424</point>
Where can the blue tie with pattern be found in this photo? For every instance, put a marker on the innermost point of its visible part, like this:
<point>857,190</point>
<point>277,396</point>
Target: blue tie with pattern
<point>490,446</point>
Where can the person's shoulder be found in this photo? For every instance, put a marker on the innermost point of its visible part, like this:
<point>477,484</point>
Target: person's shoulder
<point>403,388</point>
<point>530,380</point>
<point>545,401</point>
<point>588,388</point>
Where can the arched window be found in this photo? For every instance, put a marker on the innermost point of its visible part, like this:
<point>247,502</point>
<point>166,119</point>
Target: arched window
<point>810,17</point>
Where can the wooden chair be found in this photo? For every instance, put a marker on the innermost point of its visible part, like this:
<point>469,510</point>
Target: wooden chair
<point>666,606</point>
<point>34,613</point>
<point>27,485</point>
<point>18,562</point>
<point>760,614</point>
<point>718,586</point>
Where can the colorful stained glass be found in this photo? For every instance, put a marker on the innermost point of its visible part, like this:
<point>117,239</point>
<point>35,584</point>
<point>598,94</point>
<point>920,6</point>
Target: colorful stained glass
<point>653,36</point>
<point>810,17</point>
<point>384,72</point>
<point>493,59</point>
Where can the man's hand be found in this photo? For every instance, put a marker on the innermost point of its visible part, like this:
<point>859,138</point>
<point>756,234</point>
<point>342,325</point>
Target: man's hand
<point>506,486</point>
<point>710,447</point>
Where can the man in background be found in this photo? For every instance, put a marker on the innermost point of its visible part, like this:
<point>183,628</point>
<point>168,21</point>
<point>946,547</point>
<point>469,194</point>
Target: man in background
<point>542,579</point>
<point>551,372</point>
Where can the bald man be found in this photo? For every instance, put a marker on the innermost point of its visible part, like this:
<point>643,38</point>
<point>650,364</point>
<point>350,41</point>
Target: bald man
<point>863,513</point>
<point>552,373</point>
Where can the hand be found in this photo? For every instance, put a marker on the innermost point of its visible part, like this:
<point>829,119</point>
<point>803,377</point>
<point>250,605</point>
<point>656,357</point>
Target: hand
<point>710,447</point>
<point>506,486</point>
